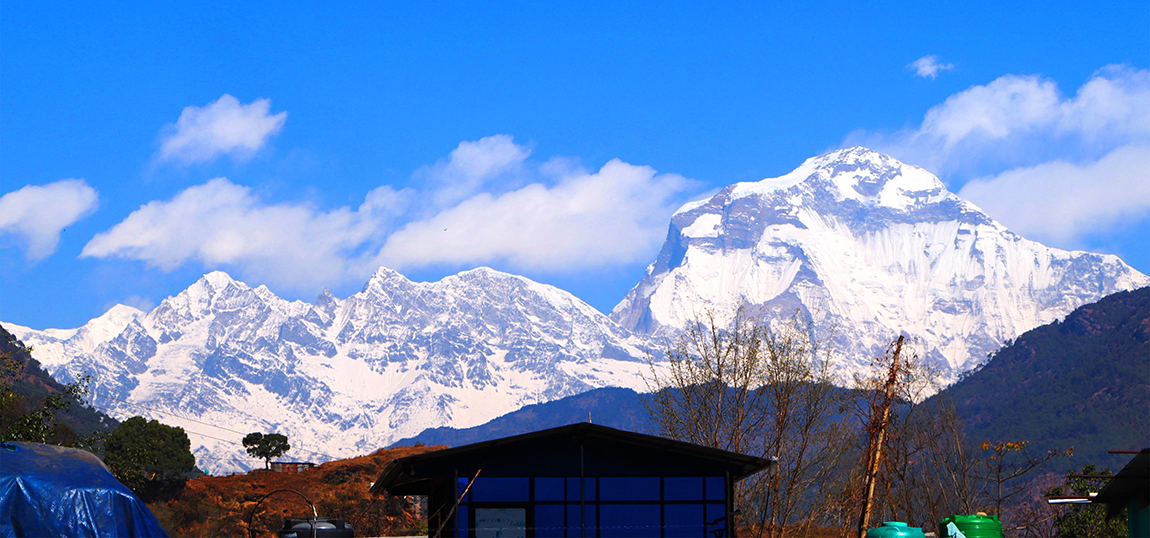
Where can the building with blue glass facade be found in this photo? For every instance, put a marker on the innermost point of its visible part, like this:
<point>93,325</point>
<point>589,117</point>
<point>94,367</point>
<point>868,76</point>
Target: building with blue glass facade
<point>581,480</point>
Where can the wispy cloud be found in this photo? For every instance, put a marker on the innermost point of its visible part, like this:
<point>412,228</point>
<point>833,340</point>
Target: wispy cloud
<point>1052,167</point>
<point>1061,202</point>
<point>220,223</point>
<point>486,203</point>
<point>35,215</point>
<point>223,127</point>
<point>473,165</point>
<point>614,216</point>
<point>1024,120</point>
<point>928,66</point>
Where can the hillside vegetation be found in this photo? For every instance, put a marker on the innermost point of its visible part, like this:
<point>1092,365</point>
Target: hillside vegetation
<point>30,386</point>
<point>1083,382</point>
<point>223,505</point>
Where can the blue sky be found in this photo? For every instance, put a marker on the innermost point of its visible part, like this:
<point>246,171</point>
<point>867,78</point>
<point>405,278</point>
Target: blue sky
<point>301,147</point>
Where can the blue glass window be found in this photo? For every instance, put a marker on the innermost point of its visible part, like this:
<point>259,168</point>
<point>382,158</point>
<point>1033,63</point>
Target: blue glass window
<point>500,489</point>
<point>629,520</point>
<point>684,519</point>
<point>573,493</point>
<point>549,489</point>
<point>677,488</point>
<point>461,521</point>
<point>631,488</point>
<point>716,488</point>
<point>549,521</point>
<point>460,486</point>
<point>715,513</point>
<point>574,529</point>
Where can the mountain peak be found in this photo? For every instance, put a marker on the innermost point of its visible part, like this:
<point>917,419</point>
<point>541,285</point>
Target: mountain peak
<point>121,311</point>
<point>857,173</point>
<point>864,240</point>
<point>486,272</point>
<point>385,277</point>
<point>217,279</point>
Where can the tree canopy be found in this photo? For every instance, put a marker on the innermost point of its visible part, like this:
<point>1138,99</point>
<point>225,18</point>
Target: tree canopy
<point>150,457</point>
<point>272,445</point>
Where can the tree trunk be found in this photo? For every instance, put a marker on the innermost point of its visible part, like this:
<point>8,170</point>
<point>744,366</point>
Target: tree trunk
<point>878,428</point>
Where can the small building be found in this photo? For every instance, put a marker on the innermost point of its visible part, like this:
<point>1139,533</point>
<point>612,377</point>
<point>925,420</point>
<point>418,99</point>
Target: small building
<point>1130,489</point>
<point>580,480</point>
<point>291,466</point>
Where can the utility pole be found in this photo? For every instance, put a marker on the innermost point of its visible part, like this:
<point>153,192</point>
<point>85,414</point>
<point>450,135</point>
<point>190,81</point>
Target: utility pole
<point>880,416</point>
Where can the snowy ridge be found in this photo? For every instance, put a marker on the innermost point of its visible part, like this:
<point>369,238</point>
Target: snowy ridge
<point>872,247</point>
<point>341,377</point>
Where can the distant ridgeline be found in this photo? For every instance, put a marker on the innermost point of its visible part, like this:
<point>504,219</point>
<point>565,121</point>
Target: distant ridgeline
<point>1083,382</point>
<point>33,384</point>
<point>614,407</point>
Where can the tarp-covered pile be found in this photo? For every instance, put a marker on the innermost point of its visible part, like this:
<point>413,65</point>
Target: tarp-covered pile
<point>55,491</point>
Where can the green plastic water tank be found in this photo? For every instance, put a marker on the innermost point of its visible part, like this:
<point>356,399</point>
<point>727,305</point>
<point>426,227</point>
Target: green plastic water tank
<point>895,529</point>
<point>971,526</point>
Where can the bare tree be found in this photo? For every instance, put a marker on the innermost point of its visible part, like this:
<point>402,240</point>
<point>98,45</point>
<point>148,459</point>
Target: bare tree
<point>758,389</point>
<point>896,381</point>
<point>1003,466</point>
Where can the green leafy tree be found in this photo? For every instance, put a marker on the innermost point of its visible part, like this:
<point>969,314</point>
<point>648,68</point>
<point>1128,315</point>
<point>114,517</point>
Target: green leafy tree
<point>1087,520</point>
<point>22,419</point>
<point>272,445</point>
<point>152,458</point>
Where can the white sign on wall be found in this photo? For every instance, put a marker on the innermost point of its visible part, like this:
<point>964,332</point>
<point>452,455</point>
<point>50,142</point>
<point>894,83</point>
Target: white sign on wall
<point>500,523</point>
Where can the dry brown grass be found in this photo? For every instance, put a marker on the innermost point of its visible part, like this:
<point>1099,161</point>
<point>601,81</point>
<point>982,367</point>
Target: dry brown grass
<point>222,505</point>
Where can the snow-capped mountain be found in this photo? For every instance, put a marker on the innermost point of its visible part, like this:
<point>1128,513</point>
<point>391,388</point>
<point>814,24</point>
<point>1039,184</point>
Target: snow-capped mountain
<point>871,247</point>
<point>867,245</point>
<point>341,377</point>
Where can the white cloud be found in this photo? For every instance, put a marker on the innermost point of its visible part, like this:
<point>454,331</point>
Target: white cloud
<point>471,166</point>
<point>223,127</point>
<point>1062,169</point>
<point>1062,202</point>
<point>1024,121</point>
<point>616,215</point>
<point>37,214</point>
<point>221,223</point>
<point>928,66</point>
<point>484,204</point>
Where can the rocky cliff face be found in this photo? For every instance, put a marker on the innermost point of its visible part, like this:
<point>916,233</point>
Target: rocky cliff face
<point>870,247</point>
<point>342,377</point>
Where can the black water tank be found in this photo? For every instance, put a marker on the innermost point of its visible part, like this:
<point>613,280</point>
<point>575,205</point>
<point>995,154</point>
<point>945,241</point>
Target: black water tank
<point>319,528</point>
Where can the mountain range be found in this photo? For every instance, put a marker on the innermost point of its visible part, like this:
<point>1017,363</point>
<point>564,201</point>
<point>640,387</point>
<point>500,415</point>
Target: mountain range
<point>341,377</point>
<point>1081,383</point>
<point>865,245</point>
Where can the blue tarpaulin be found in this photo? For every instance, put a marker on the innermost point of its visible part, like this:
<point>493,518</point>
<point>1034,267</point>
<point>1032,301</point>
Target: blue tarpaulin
<point>55,491</point>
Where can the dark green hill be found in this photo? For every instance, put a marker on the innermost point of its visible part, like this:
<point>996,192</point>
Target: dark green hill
<point>31,385</point>
<point>1083,383</point>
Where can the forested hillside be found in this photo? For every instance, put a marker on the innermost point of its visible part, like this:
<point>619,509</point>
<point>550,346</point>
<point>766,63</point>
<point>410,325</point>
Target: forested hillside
<point>30,387</point>
<point>1083,382</point>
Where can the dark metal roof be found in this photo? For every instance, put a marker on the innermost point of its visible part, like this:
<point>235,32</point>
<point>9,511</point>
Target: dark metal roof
<point>1132,481</point>
<point>400,475</point>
